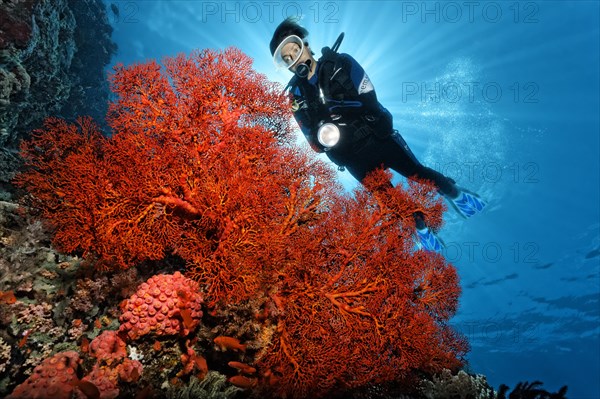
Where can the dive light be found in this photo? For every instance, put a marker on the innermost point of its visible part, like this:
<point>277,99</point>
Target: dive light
<point>328,135</point>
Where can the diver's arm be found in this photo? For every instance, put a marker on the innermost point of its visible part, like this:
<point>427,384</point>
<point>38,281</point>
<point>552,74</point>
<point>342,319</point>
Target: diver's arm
<point>308,123</point>
<point>310,132</point>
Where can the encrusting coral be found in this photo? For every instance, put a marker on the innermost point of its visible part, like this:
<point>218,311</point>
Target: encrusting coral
<point>58,376</point>
<point>201,166</point>
<point>108,347</point>
<point>55,377</point>
<point>164,305</point>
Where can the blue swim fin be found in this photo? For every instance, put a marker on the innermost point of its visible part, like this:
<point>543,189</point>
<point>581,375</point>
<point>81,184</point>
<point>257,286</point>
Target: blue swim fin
<point>467,203</point>
<point>429,241</point>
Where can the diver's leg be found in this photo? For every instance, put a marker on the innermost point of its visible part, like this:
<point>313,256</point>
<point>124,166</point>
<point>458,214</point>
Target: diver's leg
<point>465,202</point>
<point>401,159</point>
<point>426,238</point>
<point>358,170</point>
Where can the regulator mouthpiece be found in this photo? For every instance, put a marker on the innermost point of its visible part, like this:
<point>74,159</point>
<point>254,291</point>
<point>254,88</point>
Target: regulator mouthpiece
<point>303,69</point>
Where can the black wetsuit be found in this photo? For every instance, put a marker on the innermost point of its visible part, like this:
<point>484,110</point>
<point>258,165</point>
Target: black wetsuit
<point>372,140</point>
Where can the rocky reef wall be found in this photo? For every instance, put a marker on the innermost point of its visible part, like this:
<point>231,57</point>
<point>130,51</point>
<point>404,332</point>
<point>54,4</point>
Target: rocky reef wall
<point>52,59</point>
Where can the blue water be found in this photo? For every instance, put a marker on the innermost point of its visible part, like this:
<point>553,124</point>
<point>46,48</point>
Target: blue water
<point>504,97</point>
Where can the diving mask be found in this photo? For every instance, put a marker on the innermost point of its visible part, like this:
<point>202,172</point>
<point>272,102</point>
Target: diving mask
<point>288,53</point>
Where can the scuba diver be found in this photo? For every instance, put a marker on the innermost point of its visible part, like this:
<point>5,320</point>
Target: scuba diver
<point>335,105</point>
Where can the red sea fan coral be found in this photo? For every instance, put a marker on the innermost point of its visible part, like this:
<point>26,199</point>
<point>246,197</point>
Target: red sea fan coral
<point>198,165</point>
<point>105,380</point>
<point>357,306</point>
<point>67,179</point>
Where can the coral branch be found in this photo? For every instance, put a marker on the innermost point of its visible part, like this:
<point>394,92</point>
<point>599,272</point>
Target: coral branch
<point>178,203</point>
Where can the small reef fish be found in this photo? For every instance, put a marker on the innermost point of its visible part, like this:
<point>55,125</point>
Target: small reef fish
<point>242,367</point>
<point>186,317</point>
<point>85,345</point>
<point>225,343</point>
<point>243,382</point>
<point>7,297</point>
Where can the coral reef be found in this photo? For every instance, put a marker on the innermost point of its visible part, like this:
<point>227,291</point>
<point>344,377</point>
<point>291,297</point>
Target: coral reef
<point>88,293</point>
<point>35,325</point>
<point>39,288</point>
<point>309,293</point>
<point>58,376</point>
<point>130,370</point>
<point>459,386</point>
<point>167,222</point>
<point>344,298</point>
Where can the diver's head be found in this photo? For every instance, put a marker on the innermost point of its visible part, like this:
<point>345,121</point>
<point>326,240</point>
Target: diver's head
<point>290,49</point>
